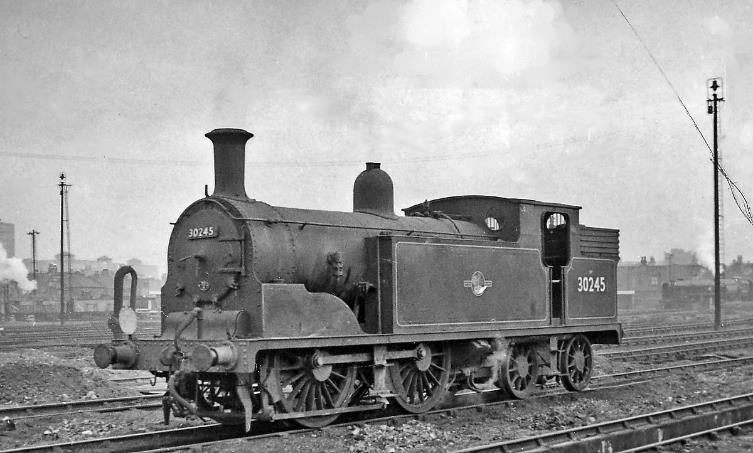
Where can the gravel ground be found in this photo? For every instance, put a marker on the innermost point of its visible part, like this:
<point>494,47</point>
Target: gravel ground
<point>30,376</point>
<point>525,418</point>
<point>723,443</point>
<point>33,376</point>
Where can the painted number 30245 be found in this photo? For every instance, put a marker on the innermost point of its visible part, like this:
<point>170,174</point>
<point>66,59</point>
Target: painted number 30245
<point>592,284</point>
<point>202,232</point>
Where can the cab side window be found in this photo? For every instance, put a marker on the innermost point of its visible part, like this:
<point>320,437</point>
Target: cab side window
<point>556,236</point>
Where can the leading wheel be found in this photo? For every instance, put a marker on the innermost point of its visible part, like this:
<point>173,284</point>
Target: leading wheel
<point>519,371</point>
<point>302,386</point>
<point>576,363</point>
<point>420,383</point>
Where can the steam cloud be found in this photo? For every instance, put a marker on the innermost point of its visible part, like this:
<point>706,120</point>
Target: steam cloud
<point>704,245</point>
<point>13,269</point>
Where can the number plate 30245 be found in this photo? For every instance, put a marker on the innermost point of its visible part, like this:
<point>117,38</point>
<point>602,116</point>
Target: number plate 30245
<point>203,232</point>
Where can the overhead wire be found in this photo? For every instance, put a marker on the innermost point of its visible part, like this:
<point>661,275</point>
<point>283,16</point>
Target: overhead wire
<point>307,164</point>
<point>737,194</point>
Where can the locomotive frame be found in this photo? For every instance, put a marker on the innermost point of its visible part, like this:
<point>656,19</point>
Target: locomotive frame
<point>275,313</point>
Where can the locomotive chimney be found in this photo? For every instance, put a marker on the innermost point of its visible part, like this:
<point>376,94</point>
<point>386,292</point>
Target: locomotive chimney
<point>373,192</point>
<point>229,161</point>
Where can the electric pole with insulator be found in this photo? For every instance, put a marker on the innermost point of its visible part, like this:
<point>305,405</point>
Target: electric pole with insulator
<point>33,233</point>
<point>63,189</point>
<point>714,97</point>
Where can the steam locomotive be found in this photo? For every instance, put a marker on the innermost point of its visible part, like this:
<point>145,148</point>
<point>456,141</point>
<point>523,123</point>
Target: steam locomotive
<point>698,293</point>
<point>274,313</point>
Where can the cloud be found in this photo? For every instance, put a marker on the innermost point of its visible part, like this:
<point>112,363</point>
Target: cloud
<point>746,133</point>
<point>475,40</point>
<point>448,43</point>
<point>433,77</point>
<point>718,27</point>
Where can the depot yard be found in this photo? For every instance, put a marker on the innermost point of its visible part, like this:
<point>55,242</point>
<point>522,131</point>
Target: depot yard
<point>31,376</point>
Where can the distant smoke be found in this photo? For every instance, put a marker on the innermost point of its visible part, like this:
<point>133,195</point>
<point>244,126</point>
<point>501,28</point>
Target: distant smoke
<point>13,269</point>
<point>704,243</point>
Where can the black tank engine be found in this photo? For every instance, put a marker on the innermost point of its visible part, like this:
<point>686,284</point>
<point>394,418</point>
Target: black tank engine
<point>275,313</point>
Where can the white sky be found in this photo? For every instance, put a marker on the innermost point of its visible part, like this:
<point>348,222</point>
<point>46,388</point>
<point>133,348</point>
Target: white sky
<point>529,99</point>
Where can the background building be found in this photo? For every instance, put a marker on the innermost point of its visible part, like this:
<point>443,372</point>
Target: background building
<point>8,238</point>
<point>643,280</point>
<point>89,290</point>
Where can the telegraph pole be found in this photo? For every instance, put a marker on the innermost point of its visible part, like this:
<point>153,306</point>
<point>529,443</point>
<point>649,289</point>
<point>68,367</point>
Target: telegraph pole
<point>63,189</point>
<point>713,99</point>
<point>33,233</point>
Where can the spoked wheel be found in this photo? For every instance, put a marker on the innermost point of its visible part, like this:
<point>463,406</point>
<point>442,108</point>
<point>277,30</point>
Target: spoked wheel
<point>576,363</point>
<point>422,382</point>
<point>302,386</point>
<point>519,371</point>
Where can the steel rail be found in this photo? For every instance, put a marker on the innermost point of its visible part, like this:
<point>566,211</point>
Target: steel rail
<point>463,402</point>
<point>141,441</point>
<point>85,333</point>
<point>125,403</point>
<point>686,348</point>
<point>654,446</point>
<point>635,431</point>
<point>32,337</point>
<point>50,341</point>
<point>706,334</point>
<point>100,326</point>
<point>701,366</point>
<point>633,329</point>
<point>84,344</point>
<point>214,434</point>
<point>94,405</point>
<point>467,405</point>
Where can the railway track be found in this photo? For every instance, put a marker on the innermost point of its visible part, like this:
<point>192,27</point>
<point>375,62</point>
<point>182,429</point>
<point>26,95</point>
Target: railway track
<point>642,329</point>
<point>80,338</point>
<point>684,337</point>
<point>15,336</point>
<point>80,406</point>
<point>194,438</point>
<point>674,350</point>
<point>672,369</point>
<point>638,432</point>
<point>98,326</point>
<point>142,441</point>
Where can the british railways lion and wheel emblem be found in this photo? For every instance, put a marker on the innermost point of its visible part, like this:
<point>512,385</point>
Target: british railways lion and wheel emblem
<point>477,283</point>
